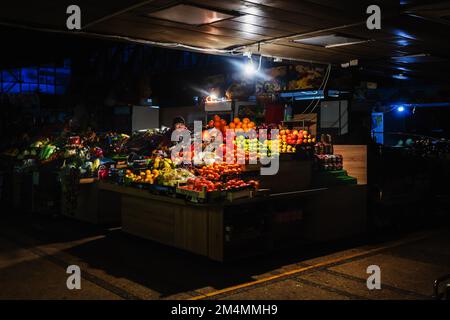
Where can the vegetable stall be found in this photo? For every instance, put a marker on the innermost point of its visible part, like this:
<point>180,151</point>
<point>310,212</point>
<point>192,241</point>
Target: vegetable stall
<point>218,209</point>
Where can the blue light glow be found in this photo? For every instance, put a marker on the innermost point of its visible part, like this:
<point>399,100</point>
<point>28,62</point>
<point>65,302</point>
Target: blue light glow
<point>48,79</point>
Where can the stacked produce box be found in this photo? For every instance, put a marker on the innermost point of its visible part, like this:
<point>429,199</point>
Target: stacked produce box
<point>329,167</point>
<point>328,162</point>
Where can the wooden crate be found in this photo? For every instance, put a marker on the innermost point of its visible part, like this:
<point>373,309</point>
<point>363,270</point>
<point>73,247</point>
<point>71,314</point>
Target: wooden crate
<point>240,194</point>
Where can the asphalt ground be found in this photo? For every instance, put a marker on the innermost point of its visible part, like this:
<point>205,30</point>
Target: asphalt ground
<point>36,251</point>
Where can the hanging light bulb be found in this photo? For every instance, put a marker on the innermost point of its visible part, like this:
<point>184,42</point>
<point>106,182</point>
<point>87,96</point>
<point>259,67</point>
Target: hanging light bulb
<point>249,68</point>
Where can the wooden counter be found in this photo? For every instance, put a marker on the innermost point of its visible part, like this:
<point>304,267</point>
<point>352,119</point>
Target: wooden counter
<point>193,227</point>
<point>244,227</point>
<point>93,204</point>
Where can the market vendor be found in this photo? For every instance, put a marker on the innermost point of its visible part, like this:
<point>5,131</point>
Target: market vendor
<point>177,123</point>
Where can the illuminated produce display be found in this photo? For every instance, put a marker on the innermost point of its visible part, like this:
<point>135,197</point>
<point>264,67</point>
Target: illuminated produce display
<point>141,160</point>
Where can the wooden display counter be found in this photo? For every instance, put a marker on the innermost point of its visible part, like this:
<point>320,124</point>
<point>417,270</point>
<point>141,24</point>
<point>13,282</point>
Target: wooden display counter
<point>245,227</point>
<point>192,227</point>
<point>92,204</point>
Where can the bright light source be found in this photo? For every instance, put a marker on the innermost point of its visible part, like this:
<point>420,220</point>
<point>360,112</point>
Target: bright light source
<point>400,108</point>
<point>213,96</point>
<point>249,68</point>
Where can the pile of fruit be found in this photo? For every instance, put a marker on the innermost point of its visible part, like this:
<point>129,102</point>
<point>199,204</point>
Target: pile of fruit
<point>200,184</point>
<point>236,184</point>
<point>290,139</point>
<point>216,171</point>
<point>237,125</point>
<point>160,163</point>
<point>245,125</point>
<point>166,177</point>
<point>146,177</point>
<point>173,177</point>
<point>218,123</point>
<point>328,162</point>
<point>322,147</point>
<point>219,177</point>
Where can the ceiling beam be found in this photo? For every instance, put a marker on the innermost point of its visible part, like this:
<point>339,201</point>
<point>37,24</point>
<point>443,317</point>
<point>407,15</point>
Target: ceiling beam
<point>114,14</point>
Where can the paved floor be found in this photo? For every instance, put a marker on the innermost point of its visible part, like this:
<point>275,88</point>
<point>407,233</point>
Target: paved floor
<point>35,252</point>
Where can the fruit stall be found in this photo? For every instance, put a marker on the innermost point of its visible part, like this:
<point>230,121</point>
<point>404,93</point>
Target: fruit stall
<point>221,207</point>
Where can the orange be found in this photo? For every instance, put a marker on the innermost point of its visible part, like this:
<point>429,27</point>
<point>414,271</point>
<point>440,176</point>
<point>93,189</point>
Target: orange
<point>236,120</point>
<point>246,120</point>
<point>232,125</point>
<point>251,125</point>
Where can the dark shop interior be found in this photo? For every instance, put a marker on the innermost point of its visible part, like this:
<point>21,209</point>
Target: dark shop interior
<point>225,150</point>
